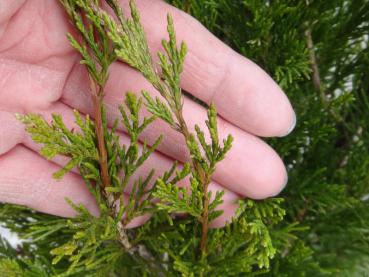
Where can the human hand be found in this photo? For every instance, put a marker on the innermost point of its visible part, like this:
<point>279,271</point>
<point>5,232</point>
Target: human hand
<point>40,73</point>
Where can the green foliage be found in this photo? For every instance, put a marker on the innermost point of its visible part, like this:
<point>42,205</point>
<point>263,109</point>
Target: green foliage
<point>247,242</point>
<point>93,247</point>
<point>98,244</point>
<point>321,227</point>
<point>167,82</point>
<point>327,154</point>
<point>95,47</point>
<point>57,139</point>
<point>17,268</point>
<point>159,109</point>
<point>11,268</point>
<point>214,153</point>
<point>258,30</point>
<point>175,199</point>
<point>241,247</point>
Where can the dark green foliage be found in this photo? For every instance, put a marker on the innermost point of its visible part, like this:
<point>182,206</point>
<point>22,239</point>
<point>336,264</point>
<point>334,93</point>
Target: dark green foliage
<point>327,154</point>
<point>321,227</point>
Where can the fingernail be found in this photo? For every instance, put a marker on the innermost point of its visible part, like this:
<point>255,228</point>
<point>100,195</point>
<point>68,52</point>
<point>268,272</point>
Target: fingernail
<point>293,125</point>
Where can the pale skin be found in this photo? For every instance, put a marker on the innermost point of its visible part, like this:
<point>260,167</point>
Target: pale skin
<point>40,73</point>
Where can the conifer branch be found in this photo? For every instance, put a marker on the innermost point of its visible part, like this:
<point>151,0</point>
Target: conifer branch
<point>314,65</point>
<point>97,93</point>
<point>168,84</point>
<point>313,60</point>
<point>204,181</point>
<point>187,7</point>
<point>257,242</point>
<point>316,75</point>
<point>102,41</point>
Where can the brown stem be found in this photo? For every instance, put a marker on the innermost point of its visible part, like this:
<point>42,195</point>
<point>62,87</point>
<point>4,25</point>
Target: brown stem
<point>314,65</point>
<point>205,220</point>
<point>204,180</point>
<point>316,75</point>
<point>302,213</point>
<point>97,96</point>
<point>122,234</point>
<point>187,7</point>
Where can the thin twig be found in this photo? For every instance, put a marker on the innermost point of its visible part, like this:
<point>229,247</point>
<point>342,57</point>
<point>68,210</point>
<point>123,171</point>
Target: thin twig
<point>314,66</point>
<point>205,219</point>
<point>97,93</point>
<point>97,96</point>
<point>301,214</point>
<point>187,7</point>
<point>204,180</point>
<point>316,77</point>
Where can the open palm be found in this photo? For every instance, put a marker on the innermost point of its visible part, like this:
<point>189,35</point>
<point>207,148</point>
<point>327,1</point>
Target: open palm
<point>40,73</point>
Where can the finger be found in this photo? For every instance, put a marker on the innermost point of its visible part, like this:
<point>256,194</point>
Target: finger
<point>11,131</point>
<point>244,94</point>
<point>8,9</point>
<point>25,87</point>
<point>157,161</point>
<point>250,169</point>
<point>34,32</point>
<point>26,179</point>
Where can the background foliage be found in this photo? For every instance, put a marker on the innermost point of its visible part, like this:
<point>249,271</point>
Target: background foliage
<point>318,52</point>
<point>327,154</point>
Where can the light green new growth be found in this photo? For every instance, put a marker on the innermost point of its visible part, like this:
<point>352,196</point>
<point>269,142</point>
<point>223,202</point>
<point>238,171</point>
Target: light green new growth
<point>167,245</point>
<point>131,47</point>
<point>57,139</point>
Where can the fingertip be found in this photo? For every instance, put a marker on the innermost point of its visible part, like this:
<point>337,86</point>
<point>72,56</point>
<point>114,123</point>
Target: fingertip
<point>281,120</point>
<point>270,182</point>
<point>292,125</point>
<point>252,168</point>
<point>250,99</point>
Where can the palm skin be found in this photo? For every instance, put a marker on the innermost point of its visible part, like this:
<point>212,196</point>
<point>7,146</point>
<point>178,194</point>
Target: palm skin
<point>40,73</point>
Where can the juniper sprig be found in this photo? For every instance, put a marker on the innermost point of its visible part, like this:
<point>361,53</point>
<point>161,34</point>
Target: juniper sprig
<point>315,50</point>
<point>177,239</point>
<point>167,82</point>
